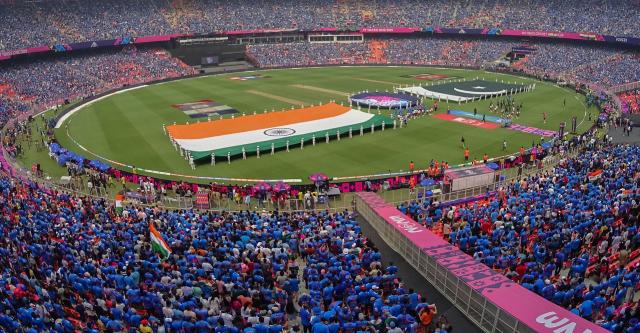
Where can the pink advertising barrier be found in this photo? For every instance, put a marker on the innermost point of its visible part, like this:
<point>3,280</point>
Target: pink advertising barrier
<point>553,34</point>
<point>158,38</point>
<point>389,30</point>
<point>527,307</point>
<point>326,29</point>
<point>38,49</point>
<point>256,31</point>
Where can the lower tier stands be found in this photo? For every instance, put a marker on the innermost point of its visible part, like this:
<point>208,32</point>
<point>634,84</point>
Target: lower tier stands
<point>570,235</point>
<point>72,264</point>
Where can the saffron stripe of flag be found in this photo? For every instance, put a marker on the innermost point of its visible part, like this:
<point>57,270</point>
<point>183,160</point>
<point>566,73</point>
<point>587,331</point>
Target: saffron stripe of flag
<point>157,242</point>
<point>119,199</point>
<point>595,175</point>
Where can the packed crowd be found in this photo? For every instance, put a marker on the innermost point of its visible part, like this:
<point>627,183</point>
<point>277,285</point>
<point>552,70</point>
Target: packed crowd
<point>428,51</point>
<point>602,65</point>
<point>51,81</point>
<point>9,108</point>
<point>445,51</point>
<point>72,264</point>
<point>570,234</point>
<point>613,71</point>
<point>560,58</point>
<point>630,101</point>
<point>578,63</point>
<point>45,82</point>
<point>49,22</point>
<point>307,54</point>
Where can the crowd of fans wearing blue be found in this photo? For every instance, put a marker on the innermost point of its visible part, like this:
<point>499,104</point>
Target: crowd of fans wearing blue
<point>570,234</point>
<point>28,24</point>
<point>441,51</point>
<point>39,84</point>
<point>587,63</point>
<point>577,63</point>
<point>72,264</point>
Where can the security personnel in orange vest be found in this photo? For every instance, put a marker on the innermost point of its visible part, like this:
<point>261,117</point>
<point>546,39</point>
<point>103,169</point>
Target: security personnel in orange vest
<point>466,154</point>
<point>411,166</point>
<point>485,158</point>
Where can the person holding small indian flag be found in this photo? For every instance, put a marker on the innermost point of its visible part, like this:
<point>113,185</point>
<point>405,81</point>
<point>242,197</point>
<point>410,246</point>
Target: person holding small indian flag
<point>157,242</point>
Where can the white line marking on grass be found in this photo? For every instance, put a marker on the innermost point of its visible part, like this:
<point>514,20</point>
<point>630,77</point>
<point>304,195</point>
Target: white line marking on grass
<point>275,97</point>
<point>78,108</point>
<point>585,111</point>
<point>584,116</point>
<point>378,81</point>
<point>329,91</point>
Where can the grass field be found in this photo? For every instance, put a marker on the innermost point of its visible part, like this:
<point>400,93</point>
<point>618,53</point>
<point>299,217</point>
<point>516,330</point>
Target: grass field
<point>127,127</point>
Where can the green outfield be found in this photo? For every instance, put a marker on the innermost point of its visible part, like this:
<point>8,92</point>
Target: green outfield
<point>128,127</point>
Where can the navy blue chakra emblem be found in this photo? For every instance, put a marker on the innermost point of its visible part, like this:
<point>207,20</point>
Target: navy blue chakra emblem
<point>280,132</point>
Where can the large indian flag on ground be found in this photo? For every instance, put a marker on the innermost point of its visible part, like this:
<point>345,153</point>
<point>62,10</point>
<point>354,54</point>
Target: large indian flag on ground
<point>157,242</point>
<point>230,136</point>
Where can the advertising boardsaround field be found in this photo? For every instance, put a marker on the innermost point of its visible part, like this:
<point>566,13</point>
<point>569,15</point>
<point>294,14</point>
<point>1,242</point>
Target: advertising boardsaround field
<point>525,306</point>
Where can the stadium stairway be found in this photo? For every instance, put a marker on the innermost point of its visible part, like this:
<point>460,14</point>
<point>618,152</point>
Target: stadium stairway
<point>415,280</point>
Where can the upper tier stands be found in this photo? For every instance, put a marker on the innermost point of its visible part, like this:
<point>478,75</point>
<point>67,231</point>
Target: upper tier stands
<point>35,23</point>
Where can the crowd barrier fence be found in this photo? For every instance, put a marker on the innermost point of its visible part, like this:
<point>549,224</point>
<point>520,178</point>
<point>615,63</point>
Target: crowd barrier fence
<point>490,300</point>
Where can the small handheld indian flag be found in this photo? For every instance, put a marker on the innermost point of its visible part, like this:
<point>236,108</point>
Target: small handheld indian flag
<point>595,175</point>
<point>157,243</point>
<point>119,199</point>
